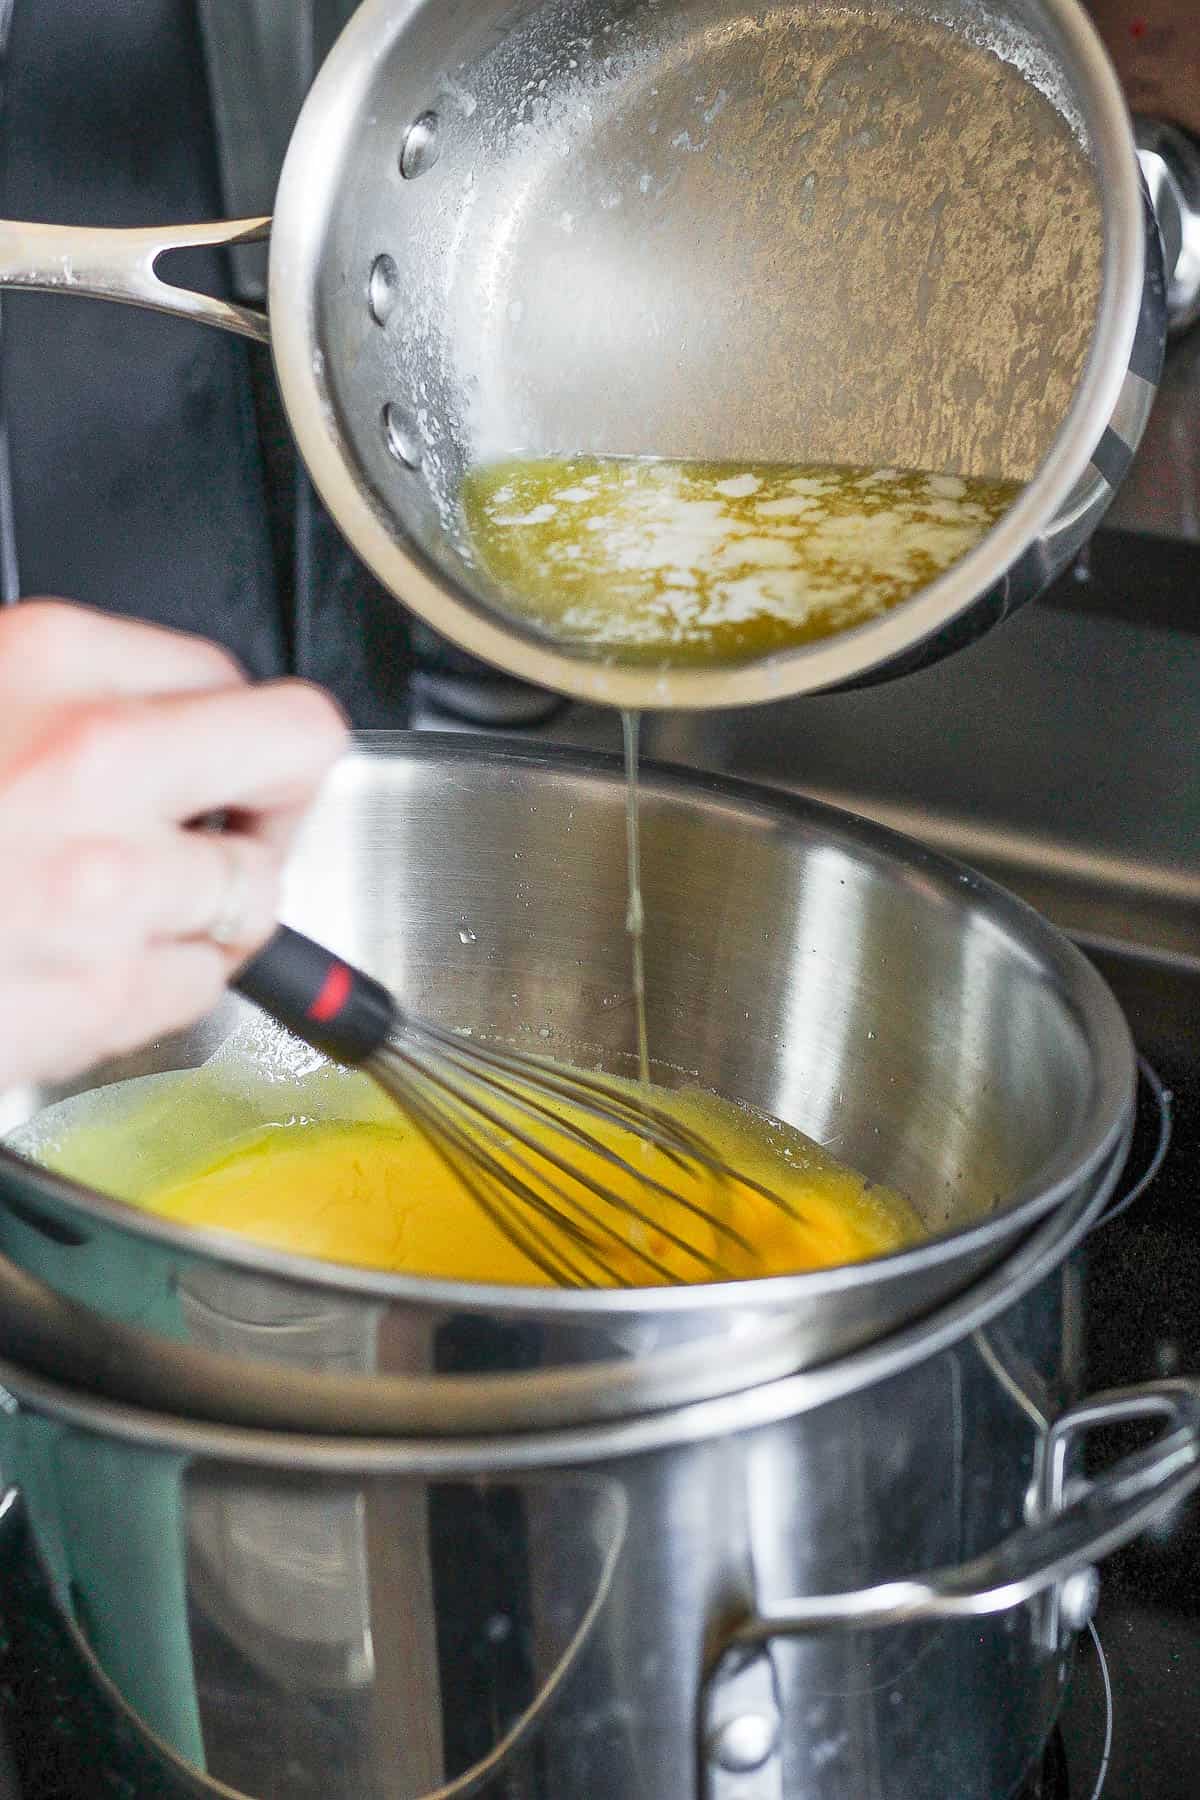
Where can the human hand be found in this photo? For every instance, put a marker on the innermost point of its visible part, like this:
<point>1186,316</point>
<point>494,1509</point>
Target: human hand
<point>115,739</point>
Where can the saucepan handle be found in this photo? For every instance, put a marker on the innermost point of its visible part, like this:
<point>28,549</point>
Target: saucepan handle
<point>1072,1524</point>
<point>121,265</point>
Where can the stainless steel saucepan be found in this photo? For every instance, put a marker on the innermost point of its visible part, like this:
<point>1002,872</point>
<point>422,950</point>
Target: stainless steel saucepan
<point>904,231</point>
<point>933,1031</point>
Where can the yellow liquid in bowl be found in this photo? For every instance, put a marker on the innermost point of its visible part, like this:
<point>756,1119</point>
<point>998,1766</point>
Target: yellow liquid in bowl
<point>374,1193</point>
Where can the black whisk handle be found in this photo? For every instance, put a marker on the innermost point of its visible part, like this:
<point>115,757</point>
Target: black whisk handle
<point>330,1004</point>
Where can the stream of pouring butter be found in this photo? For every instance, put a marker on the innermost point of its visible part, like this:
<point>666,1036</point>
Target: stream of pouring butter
<point>635,917</point>
<point>707,564</point>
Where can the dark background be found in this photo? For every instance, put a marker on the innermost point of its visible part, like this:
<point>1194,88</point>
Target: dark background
<point>150,468</point>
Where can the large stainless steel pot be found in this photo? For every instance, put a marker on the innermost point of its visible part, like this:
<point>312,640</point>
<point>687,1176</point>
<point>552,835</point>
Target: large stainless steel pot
<point>861,1581</point>
<point>719,228</point>
<point>935,1032</point>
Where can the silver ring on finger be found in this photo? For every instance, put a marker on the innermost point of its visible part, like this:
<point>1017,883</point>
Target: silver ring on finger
<point>230,927</point>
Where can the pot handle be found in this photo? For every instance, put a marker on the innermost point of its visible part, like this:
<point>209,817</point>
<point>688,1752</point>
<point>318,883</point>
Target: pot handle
<point>120,265</point>
<point>1072,1523</point>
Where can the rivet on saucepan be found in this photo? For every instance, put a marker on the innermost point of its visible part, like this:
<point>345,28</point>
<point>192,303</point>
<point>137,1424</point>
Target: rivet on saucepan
<point>383,289</point>
<point>1078,1598</point>
<point>745,1742</point>
<point>421,147</point>
<point>401,436</point>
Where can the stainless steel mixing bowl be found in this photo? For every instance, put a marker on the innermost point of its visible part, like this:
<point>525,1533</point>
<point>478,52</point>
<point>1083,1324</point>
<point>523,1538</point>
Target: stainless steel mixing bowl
<point>900,231</point>
<point>930,1029</point>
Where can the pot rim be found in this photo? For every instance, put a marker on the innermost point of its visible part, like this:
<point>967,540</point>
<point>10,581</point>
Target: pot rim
<point>770,1403</point>
<point>307,193</point>
<point>1102,1130</point>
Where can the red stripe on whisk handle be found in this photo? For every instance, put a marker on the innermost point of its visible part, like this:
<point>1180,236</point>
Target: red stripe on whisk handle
<point>335,991</point>
<point>331,1005</point>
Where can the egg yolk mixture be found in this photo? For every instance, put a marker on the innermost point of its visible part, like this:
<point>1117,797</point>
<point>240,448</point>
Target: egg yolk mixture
<point>689,564</point>
<point>374,1192</point>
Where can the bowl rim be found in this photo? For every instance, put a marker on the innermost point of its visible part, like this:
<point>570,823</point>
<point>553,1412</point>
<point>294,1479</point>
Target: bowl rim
<point>579,1445</point>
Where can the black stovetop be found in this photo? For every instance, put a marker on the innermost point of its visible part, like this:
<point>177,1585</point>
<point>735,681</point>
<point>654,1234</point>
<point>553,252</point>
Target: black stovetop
<point>1143,1290</point>
<point>1143,1321</point>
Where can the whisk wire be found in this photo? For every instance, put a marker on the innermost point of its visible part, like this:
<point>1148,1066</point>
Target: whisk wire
<point>585,1091</point>
<point>465,1157</point>
<point>494,1184</point>
<point>591,1093</point>
<point>505,1133</point>
<point>478,1160</point>
<point>527,1103</point>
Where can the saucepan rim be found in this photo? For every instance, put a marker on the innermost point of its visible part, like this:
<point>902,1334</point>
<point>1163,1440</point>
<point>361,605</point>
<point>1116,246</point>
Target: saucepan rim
<point>308,194</point>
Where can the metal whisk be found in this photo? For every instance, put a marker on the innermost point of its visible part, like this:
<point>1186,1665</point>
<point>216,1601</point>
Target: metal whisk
<point>501,1121</point>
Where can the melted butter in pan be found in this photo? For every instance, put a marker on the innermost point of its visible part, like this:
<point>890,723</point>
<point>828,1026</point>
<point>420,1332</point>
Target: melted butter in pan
<point>684,564</point>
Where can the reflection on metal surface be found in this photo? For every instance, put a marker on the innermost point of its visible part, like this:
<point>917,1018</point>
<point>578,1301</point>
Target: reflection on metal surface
<point>610,1586</point>
<point>1163,1099</point>
<point>1106,1752</point>
<point>742,1731</point>
<point>285,1578</point>
<point>785,945</point>
<point>1095,895</point>
<point>1161,493</point>
<point>1017,1376</point>
<point>1059,757</point>
<point>399,1629</point>
<point>1171,166</point>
